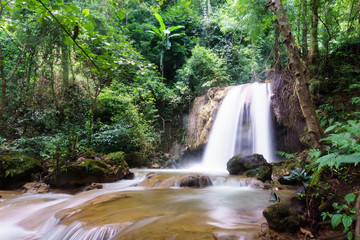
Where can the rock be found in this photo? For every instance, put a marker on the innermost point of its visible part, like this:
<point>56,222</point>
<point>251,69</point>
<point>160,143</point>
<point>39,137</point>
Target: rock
<point>16,169</point>
<point>167,180</point>
<point>239,164</point>
<point>155,165</point>
<point>283,168</point>
<point>36,187</point>
<point>196,181</point>
<point>201,118</point>
<point>112,168</point>
<point>282,216</point>
<point>137,159</point>
<point>94,186</point>
<point>261,173</point>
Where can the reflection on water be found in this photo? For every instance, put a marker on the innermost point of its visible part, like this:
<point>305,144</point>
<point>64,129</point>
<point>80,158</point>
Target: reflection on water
<point>124,211</point>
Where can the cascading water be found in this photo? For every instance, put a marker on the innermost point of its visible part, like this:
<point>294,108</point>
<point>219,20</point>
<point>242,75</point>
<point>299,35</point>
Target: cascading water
<point>242,125</point>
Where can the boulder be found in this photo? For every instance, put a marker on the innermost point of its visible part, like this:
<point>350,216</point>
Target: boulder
<point>137,159</point>
<point>262,173</point>
<point>36,187</point>
<point>168,180</point>
<point>282,216</point>
<point>83,172</point>
<point>283,168</point>
<point>94,186</point>
<point>196,181</point>
<point>239,164</point>
<point>16,169</point>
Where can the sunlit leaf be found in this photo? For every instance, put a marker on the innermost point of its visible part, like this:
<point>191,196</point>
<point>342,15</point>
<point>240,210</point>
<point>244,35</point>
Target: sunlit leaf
<point>86,12</point>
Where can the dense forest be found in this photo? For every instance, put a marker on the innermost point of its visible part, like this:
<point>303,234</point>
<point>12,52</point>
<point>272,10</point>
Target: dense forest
<point>121,75</point>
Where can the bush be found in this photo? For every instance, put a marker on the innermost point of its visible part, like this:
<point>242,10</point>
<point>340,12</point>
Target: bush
<point>203,70</point>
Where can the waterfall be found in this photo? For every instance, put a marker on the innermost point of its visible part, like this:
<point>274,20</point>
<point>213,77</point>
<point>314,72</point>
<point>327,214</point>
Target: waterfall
<point>242,125</point>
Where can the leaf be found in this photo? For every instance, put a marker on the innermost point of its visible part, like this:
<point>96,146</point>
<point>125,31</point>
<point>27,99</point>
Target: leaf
<point>350,198</point>
<point>347,221</point>
<point>60,2</point>
<point>120,15</point>
<point>350,235</point>
<point>85,12</point>
<point>161,21</point>
<point>175,28</point>
<point>336,220</point>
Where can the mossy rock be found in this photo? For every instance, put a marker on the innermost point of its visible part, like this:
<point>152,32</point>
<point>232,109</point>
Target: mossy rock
<point>282,216</point>
<point>116,159</point>
<point>16,169</point>
<point>89,171</point>
<point>239,164</point>
<point>261,173</point>
<point>137,159</point>
<point>283,168</point>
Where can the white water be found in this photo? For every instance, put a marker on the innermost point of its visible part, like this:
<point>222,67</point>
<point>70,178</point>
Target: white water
<point>144,214</point>
<point>242,125</point>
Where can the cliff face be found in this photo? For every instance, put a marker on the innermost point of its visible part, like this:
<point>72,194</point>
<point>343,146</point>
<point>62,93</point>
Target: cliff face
<point>201,118</point>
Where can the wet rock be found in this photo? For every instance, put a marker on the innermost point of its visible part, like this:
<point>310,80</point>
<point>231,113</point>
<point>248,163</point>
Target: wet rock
<point>109,168</point>
<point>283,168</point>
<point>36,187</point>
<point>201,118</point>
<point>239,164</point>
<point>94,186</point>
<point>167,180</point>
<point>16,169</point>
<point>137,159</point>
<point>196,181</point>
<point>282,216</point>
<point>261,173</point>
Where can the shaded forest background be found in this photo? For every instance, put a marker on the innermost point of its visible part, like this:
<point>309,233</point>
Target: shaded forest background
<point>127,80</point>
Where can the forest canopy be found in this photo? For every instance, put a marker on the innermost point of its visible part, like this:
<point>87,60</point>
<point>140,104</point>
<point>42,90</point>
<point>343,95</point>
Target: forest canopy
<point>121,75</point>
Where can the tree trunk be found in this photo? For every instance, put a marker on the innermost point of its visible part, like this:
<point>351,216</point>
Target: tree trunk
<point>314,42</point>
<point>359,10</point>
<point>304,29</point>
<point>277,52</point>
<point>3,86</point>
<point>357,227</point>
<point>298,68</point>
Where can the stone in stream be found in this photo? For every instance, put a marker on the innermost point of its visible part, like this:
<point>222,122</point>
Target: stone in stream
<point>36,187</point>
<point>16,169</point>
<point>253,165</point>
<point>167,180</point>
<point>89,169</point>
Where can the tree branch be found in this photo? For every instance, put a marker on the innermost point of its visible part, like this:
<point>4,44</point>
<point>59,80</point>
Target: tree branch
<point>52,15</point>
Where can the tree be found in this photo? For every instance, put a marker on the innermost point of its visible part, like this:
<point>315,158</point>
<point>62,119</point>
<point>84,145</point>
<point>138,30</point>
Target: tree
<point>165,35</point>
<point>314,42</point>
<point>298,68</point>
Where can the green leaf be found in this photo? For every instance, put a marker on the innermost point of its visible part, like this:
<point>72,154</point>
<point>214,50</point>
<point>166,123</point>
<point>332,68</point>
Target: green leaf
<point>347,221</point>
<point>175,28</point>
<point>350,198</point>
<point>336,220</point>
<point>86,12</point>
<point>120,15</point>
<point>60,2</point>
<point>350,235</point>
<point>161,21</point>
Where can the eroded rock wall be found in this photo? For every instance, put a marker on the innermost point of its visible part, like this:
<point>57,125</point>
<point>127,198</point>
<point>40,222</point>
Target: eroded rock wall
<point>201,118</point>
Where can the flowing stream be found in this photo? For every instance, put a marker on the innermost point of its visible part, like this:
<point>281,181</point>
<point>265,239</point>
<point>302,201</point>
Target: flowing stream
<point>231,208</point>
<point>242,125</point>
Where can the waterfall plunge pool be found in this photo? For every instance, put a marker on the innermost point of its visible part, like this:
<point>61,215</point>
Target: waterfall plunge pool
<point>230,209</point>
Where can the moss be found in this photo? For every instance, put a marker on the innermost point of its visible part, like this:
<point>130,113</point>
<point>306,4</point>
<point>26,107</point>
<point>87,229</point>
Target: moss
<point>116,158</point>
<point>137,159</point>
<point>261,173</point>
<point>17,168</point>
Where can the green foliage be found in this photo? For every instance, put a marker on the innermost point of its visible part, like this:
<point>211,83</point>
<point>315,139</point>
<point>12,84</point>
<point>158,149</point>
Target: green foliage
<point>299,175</point>
<point>344,214</point>
<point>203,70</point>
<point>344,145</point>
